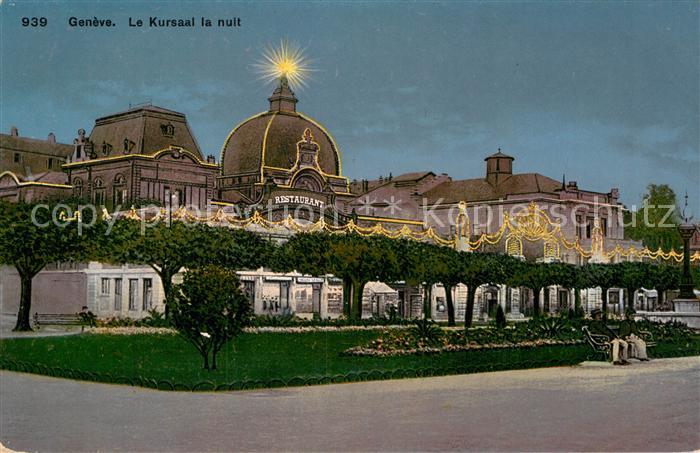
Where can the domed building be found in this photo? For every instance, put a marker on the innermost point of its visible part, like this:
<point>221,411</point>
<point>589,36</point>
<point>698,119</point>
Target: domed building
<point>283,158</point>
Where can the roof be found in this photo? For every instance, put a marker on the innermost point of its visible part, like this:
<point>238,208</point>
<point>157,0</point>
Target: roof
<point>147,108</point>
<point>270,139</point>
<point>34,145</point>
<point>35,154</point>
<point>148,129</point>
<point>499,154</point>
<point>481,190</point>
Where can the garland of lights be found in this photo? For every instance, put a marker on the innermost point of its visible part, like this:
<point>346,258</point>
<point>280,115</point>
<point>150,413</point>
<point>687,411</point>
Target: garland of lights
<point>532,225</point>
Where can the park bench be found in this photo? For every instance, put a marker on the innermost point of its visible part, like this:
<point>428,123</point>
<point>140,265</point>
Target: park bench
<point>601,343</point>
<point>57,319</point>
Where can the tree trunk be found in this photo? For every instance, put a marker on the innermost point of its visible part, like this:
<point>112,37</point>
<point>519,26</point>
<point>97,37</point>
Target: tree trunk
<point>205,355</point>
<point>427,305</point>
<point>25,304</point>
<point>450,306</point>
<point>166,279</point>
<point>469,313</point>
<point>577,301</point>
<point>659,299</point>
<point>347,297</point>
<point>214,352</point>
<point>604,298</point>
<point>357,290</point>
<point>536,302</point>
<point>630,298</point>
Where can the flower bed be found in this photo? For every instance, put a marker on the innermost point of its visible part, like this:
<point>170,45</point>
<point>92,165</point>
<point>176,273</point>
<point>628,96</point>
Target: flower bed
<point>305,329</point>
<point>141,330</point>
<point>377,348</point>
<point>131,331</point>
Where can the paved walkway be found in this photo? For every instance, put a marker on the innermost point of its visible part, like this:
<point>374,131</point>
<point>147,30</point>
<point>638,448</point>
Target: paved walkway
<point>647,406</point>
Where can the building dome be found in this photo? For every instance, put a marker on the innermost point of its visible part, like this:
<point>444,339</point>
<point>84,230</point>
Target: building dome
<point>270,139</point>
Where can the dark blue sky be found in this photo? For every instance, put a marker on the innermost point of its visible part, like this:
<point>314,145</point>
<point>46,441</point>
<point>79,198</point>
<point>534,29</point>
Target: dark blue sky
<point>607,93</point>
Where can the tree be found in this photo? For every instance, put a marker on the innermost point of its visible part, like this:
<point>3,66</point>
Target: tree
<point>571,277</point>
<point>362,259</point>
<point>478,269</point>
<point>448,270</point>
<point>534,276</point>
<point>32,236</point>
<point>605,276</point>
<point>655,222</point>
<point>663,277</point>
<point>633,275</point>
<point>353,258</point>
<point>418,267</point>
<point>209,309</point>
<point>169,248</point>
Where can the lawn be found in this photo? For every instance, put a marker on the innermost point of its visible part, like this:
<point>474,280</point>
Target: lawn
<point>268,360</point>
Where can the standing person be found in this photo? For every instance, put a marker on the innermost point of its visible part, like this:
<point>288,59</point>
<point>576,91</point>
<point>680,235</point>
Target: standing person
<point>619,346</point>
<point>630,333</point>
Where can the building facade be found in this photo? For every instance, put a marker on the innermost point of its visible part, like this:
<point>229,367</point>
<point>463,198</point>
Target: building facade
<point>281,162</point>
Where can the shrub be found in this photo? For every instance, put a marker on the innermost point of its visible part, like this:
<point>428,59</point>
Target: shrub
<point>209,309</point>
<point>426,331</point>
<point>500,318</point>
<point>154,319</point>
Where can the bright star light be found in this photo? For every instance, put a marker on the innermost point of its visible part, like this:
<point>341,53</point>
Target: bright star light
<point>286,60</point>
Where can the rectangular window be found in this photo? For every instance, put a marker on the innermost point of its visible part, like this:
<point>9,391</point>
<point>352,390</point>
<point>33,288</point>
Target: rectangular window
<point>167,200</point>
<point>579,227</point>
<point>249,290</point>
<point>589,227</point>
<point>147,294</point>
<point>49,164</point>
<point>604,227</point>
<point>133,292</point>
<point>284,294</point>
<point>118,294</point>
<point>18,158</point>
<point>105,286</point>
<point>100,197</point>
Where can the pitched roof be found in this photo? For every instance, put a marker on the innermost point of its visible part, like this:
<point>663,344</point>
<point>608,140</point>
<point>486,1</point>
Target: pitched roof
<point>34,154</point>
<point>480,189</point>
<point>147,128</point>
<point>33,145</point>
<point>499,154</point>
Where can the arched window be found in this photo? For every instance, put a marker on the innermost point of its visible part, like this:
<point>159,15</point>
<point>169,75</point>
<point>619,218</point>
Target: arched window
<point>514,246</point>
<point>98,191</point>
<point>118,190</point>
<point>77,187</point>
<point>551,249</point>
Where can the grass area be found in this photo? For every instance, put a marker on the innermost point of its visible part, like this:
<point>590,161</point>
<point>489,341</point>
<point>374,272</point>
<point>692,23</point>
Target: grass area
<point>273,358</point>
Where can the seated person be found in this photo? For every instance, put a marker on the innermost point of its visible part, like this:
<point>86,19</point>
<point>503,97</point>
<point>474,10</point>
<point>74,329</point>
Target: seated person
<point>619,346</point>
<point>630,333</point>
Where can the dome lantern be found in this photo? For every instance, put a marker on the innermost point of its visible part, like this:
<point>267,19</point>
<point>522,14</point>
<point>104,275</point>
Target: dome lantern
<point>283,99</point>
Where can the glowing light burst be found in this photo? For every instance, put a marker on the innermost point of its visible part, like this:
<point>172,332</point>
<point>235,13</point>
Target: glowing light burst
<point>287,60</point>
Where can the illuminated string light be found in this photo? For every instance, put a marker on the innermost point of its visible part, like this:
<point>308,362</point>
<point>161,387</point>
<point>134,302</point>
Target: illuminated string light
<point>532,225</point>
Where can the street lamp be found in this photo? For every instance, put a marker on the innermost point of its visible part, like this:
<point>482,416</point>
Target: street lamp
<point>686,300</point>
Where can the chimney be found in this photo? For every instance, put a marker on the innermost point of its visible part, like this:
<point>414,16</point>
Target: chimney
<point>51,138</point>
<point>211,159</point>
<point>14,132</point>
<point>572,185</point>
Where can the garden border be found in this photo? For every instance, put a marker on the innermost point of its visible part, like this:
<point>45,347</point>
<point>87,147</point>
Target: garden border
<point>249,384</point>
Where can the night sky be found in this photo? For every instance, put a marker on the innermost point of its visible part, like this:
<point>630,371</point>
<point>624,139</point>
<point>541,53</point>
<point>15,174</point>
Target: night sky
<point>607,93</point>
